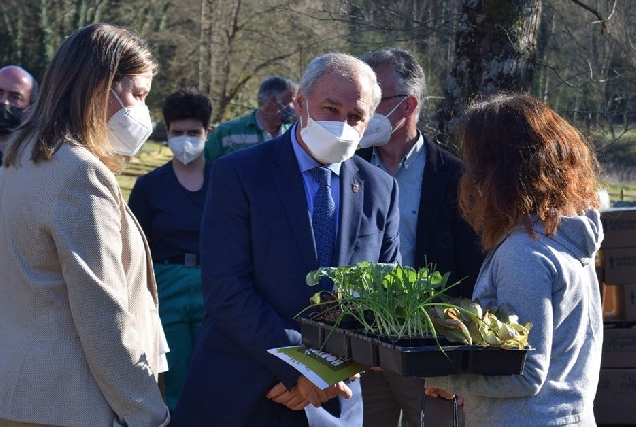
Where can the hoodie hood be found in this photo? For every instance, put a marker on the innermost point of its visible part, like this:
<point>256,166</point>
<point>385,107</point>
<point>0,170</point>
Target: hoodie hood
<point>581,235</point>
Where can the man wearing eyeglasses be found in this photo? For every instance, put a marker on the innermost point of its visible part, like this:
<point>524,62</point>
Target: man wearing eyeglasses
<point>431,228</point>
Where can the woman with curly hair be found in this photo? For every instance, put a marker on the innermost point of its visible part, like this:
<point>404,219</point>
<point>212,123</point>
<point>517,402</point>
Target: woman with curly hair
<point>530,191</point>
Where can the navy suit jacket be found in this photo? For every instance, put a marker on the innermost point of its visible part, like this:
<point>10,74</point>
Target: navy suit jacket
<point>443,237</point>
<point>256,248</point>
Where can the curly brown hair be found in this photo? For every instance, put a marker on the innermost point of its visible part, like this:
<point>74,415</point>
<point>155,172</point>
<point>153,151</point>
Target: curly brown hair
<point>522,159</point>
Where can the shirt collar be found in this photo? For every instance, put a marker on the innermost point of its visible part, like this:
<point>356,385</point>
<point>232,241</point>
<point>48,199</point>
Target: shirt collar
<point>410,157</point>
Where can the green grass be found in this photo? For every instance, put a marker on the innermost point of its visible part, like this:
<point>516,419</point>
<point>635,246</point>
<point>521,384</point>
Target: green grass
<point>152,155</point>
<point>621,191</point>
<point>617,154</point>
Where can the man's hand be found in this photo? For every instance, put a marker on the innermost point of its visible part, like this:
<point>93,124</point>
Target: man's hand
<point>290,398</point>
<point>317,396</point>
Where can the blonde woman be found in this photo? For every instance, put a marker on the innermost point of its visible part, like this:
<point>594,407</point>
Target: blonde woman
<point>81,340</point>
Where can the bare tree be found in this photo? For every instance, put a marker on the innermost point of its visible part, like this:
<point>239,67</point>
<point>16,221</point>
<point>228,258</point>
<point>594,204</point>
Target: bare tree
<point>495,50</point>
<point>577,55</point>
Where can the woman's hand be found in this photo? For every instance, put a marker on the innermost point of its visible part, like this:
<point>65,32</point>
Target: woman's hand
<point>438,392</point>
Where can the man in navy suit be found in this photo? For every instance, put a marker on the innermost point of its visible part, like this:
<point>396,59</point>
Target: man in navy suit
<point>431,227</point>
<point>257,245</point>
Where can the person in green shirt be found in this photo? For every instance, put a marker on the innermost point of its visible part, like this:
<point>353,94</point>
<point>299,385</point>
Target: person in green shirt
<point>274,115</point>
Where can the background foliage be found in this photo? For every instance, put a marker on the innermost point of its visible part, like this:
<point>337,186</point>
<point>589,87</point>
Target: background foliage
<point>584,65</point>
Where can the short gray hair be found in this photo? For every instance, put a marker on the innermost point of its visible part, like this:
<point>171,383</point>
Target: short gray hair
<point>408,73</point>
<point>275,86</point>
<point>343,65</point>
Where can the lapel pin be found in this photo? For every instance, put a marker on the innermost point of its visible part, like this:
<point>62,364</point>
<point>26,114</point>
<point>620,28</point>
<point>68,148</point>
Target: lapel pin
<point>355,187</point>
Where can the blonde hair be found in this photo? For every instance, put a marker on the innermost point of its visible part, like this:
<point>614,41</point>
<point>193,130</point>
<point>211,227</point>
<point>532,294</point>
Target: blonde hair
<point>73,100</point>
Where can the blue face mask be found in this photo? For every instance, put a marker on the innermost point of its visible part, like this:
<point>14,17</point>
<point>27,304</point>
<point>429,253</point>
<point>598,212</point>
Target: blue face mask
<point>287,114</point>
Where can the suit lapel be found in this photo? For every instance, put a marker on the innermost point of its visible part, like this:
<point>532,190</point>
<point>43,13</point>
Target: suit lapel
<point>291,191</point>
<point>351,199</point>
<point>434,185</point>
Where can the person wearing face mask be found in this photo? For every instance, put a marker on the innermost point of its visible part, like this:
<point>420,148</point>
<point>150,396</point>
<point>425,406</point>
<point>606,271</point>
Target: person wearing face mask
<point>82,342</point>
<point>275,212</point>
<point>431,227</point>
<point>18,90</point>
<point>168,203</point>
<point>274,115</point>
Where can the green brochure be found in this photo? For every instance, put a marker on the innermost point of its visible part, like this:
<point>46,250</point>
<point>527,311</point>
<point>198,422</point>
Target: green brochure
<point>321,368</point>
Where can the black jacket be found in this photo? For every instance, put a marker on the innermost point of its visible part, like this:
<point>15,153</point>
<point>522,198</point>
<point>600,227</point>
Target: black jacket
<point>443,237</point>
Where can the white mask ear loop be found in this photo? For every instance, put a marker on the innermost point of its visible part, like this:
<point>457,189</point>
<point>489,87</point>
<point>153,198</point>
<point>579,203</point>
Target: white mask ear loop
<point>119,99</point>
<point>301,116</point>
<point>396,105</point>
<point>391,112</point>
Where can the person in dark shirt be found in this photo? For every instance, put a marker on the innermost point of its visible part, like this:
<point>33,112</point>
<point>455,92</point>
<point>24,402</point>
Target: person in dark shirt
<point>168,203</point>
<point>431,227</point>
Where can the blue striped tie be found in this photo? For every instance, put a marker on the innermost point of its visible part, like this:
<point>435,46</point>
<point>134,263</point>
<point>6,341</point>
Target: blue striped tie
<point>323,219</point>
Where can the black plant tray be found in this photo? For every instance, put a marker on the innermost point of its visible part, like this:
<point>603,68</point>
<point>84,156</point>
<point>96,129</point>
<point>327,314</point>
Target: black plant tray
<point>326,337</point>
<point>494,361</point>
<point>426,357</point>
<point>364,349</point>
<point>313,333</point>
<point>421,361</point>
<point>337,342</point>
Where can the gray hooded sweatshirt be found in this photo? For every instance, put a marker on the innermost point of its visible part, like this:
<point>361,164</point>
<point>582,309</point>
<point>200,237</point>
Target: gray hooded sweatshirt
<point>552,283</point>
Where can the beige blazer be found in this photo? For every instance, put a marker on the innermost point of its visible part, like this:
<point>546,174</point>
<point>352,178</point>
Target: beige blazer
<point>78,306</point>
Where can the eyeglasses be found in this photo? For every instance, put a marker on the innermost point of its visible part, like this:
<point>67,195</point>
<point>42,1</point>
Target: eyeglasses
<point>384,98</point>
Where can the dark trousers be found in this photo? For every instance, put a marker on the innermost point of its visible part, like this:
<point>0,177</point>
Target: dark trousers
<point>386,395</point>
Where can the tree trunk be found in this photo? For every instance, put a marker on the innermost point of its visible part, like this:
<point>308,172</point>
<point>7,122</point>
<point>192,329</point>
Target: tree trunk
<point>201,58</point>
<point>495,51</point>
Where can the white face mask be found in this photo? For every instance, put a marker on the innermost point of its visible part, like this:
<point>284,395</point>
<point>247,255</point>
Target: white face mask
<point>186,148</point>
<point>379,131</point>
<point>129,128</point>
<point>329,141</point>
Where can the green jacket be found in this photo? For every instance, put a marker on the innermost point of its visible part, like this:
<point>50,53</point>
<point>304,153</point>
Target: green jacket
<point>234,135</point>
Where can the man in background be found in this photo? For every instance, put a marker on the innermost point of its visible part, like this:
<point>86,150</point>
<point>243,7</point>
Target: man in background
<point>275,212</point>
<point>274,115</point>
<point>18,90</point>
<point>431,227</point>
